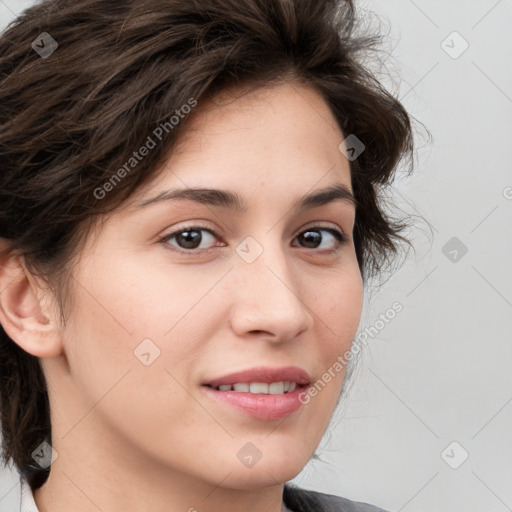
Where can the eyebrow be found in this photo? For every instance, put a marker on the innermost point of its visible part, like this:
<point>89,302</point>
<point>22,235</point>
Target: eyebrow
<point>228,199</point>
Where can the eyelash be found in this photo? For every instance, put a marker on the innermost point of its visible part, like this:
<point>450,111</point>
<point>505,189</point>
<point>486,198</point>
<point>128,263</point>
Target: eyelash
<point>341,238</point>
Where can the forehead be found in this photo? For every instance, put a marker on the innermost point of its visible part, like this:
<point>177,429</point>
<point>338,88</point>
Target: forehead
<point>285,136</point>
<point>272,109</point>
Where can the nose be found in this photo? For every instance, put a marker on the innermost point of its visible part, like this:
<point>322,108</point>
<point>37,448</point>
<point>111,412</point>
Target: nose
<point>267,301</point>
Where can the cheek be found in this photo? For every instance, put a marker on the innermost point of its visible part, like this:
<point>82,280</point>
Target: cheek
<point>139,297</point>
<point>119,307</point>
<point>338,313</point>
<point>111,383</point>
<point>339,308</point>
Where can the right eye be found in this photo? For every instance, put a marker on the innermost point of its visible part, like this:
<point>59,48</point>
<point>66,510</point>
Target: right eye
<point>189,239</point>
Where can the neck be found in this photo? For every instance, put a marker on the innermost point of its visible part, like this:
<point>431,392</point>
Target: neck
<point>81,493</point>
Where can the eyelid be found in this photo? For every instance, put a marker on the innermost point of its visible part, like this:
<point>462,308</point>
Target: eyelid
<point>321,225</point>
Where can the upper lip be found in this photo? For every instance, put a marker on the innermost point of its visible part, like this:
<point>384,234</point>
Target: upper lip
<point>263,374</point>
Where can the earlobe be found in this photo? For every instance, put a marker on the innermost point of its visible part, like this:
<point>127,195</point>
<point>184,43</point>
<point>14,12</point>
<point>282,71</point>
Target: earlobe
<point>24,314</point>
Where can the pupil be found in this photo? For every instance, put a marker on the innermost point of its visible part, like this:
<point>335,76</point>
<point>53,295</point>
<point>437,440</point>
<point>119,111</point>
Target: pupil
<point>312,238</point>
<point>189,239</point>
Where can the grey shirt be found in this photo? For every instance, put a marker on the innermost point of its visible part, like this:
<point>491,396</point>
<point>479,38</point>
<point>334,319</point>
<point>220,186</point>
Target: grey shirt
<point>302,500</point>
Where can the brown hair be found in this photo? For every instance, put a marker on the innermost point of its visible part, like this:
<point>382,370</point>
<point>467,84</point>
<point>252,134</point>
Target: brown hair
<point>69,119</point>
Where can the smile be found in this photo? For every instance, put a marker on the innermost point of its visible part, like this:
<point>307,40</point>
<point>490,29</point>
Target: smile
<point>273,388</point>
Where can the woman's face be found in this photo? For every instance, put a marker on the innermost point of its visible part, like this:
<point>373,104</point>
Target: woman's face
<point>175,294</point>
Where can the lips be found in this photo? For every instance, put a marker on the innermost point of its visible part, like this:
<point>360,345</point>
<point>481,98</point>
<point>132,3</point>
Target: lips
<point>264,393</point>
<point>264,375</point>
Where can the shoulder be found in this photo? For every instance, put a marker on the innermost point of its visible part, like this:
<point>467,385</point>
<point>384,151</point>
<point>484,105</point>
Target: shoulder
<point>302,500</point>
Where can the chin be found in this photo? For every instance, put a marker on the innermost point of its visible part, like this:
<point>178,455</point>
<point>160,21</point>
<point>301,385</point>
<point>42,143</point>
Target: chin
<point>248,481</point>
<point>269,474</point>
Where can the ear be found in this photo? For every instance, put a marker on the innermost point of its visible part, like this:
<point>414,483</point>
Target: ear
<point>27,311</point>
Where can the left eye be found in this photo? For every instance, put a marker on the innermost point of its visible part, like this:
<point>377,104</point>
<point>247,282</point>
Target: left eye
<point>313,238</point>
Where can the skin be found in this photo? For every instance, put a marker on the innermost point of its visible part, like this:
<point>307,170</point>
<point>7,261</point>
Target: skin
<point>147,438</point>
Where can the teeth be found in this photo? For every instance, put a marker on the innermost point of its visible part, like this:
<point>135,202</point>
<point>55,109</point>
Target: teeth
<point>274,388</point>
<point>258,387</point>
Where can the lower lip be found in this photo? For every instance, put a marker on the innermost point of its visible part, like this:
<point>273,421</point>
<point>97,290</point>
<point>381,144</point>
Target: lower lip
<point>259,405</point>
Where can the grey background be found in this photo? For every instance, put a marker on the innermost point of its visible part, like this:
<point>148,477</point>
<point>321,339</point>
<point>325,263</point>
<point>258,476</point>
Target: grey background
<point>439,372</point>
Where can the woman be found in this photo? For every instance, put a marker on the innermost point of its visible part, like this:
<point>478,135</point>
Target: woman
<point>189,215</point>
